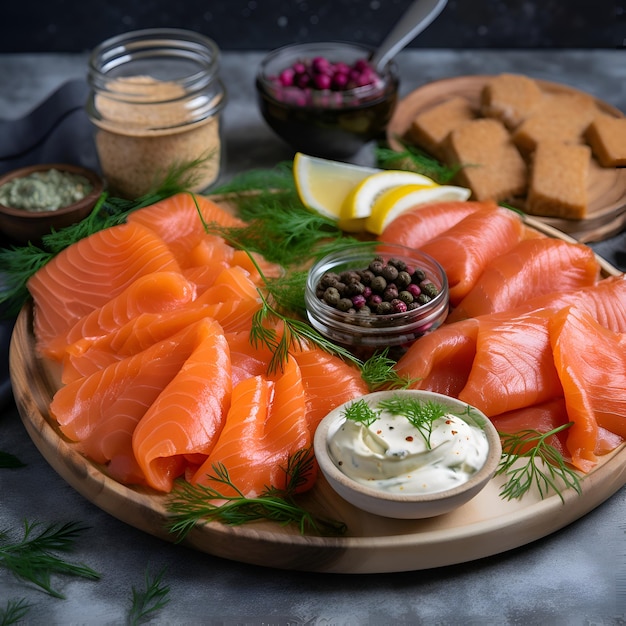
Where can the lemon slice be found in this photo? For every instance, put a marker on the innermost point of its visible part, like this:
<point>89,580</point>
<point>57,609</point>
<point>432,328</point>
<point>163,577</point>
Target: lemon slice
<point>357,206</point>
<point>393,202</point>
<point>323,184</point>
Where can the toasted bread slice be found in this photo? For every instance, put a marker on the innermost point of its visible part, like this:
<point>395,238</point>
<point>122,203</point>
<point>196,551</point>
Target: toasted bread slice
<point>561,117</point>
<point>559,180</point>
<point>492,167</point>
<point>511,98</point>
<point>430,128</point>
<point>607,137</point>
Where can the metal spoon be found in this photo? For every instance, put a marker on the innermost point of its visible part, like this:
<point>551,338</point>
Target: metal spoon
<point>416,18</point>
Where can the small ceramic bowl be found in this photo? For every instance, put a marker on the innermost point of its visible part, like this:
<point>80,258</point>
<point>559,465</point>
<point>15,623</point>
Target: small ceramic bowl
<point>406,505</point>
<point>21,226</point>
<point>365,334</point>
<point>325,122</point>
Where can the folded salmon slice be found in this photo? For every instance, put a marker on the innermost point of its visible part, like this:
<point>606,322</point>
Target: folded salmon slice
<point>102,410</point>
<point>86,275</point>
<point>413,228</point>
<point>534,267</point>
<point>591,363</point>
<point>465,249</point>
<point>265,426</point>
<point>441,361</point>
<point>188,415</point>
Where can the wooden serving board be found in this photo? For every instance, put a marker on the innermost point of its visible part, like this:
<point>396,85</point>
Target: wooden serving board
<point>606,188</point>
<point>485,526</point>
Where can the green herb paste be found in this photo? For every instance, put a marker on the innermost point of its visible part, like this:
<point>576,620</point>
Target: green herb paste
<point>44,191</point>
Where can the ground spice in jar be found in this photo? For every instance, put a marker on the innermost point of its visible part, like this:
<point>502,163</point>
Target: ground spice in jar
<point>156,102</point>
<point>141,137</point>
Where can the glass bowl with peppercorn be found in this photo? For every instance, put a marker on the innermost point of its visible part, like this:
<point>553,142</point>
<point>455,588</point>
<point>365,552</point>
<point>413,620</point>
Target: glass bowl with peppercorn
<point>375,295</point>
<point>325,99</point>
<point>38,198</point>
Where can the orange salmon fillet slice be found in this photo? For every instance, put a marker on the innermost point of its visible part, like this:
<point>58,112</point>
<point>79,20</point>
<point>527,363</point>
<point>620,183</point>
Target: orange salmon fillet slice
<point>534,267</point>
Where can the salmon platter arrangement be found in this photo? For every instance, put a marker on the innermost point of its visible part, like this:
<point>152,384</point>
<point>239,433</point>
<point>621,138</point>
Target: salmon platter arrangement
<point>551,150</point>
<point>156,372</point>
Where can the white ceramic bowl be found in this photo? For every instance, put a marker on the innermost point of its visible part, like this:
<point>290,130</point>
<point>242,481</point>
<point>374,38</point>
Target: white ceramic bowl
<point>407,506</point>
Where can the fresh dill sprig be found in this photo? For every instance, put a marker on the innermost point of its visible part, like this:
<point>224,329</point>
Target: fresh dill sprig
<point>544,466</point>
<point>193,504</point>
<point>10,461</point>
<point>279,178</point>
<point>287,291</point>
<point>14,612</point>
<point>32,559</point>
<point>379,373</point>
<point>282,229</point>
<point>361,412</point>
<point>420,414</point>
<point>415,160</point>
<point>295,335</point>
<point>147,602</point>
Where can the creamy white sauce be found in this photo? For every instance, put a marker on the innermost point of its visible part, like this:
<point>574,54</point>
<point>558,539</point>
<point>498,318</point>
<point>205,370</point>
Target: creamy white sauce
<point>391,454</point>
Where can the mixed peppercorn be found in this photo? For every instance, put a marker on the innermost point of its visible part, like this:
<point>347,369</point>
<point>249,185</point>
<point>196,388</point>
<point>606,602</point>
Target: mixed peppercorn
<point>381,288</point>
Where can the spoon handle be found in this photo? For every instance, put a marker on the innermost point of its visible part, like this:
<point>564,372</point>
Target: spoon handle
<point>417,17</point>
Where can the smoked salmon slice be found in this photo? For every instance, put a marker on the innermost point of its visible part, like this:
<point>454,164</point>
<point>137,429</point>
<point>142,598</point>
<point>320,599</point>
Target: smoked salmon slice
<point>188,415</point>
<point>101,411</point>
<point>513,367</point>
<point>465,249</point>
<point>265,426</point>
<point>328,382</point>
<point>177,221</point>
<point>532,268</point>
<point>441,361</point>
<point>86,275</point>
<point>157,292</point>
<point>591,363</point>
<point>413,228</point>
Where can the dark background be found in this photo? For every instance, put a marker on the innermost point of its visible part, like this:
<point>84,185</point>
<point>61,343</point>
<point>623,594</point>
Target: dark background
<point>78,25</point>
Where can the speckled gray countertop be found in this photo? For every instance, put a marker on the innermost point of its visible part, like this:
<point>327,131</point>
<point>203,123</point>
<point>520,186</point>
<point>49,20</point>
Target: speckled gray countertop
<point>576,576</point>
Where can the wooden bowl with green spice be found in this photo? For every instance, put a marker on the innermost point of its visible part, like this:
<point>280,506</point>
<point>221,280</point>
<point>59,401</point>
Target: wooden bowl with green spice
<point>39,198</point>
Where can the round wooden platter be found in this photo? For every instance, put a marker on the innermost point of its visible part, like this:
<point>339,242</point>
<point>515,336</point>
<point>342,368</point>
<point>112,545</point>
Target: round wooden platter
<point>606,188</point>
<point>485,526</point>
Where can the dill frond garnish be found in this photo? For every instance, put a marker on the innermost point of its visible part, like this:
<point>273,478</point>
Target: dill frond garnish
<point>14,612</point>
<point>379,373</point>
<point>282,229</point>
<point>415,160</point>
<point>194,504</point>
<point>279,178</point>
<point>152,599</point>
<point>361,412</point>
<point>420,414</point>
<point>295,334</point>
<point>32,559</point>
<point>545,467</point>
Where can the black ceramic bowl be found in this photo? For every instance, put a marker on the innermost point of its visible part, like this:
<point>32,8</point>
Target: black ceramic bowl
<point>329,123</point>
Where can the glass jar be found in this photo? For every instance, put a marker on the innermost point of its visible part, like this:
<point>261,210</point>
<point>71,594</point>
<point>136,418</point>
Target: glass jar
<point>365,334</point>
<point>156,101</point>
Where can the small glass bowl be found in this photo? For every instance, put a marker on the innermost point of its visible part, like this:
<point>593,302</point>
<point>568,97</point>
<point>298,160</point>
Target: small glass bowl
<point>364,335</point>
<point>322,122</point>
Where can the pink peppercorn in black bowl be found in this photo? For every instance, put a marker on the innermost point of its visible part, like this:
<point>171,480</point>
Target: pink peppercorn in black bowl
<point>366,326</point>
<point>324,99</point>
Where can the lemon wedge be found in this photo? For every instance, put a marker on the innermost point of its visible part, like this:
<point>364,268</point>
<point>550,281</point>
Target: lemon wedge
<point>323,185</point>
<point>393,202</point>
<point>359,202</point>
